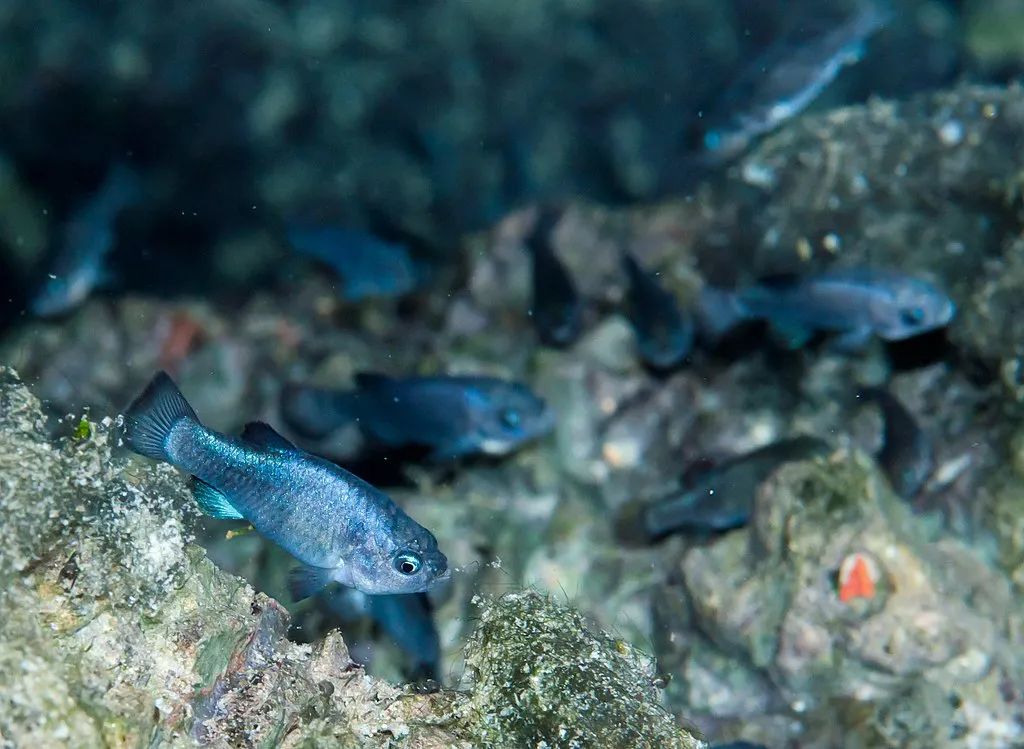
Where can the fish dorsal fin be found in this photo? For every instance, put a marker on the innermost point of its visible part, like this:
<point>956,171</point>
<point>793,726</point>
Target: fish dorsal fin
<point>260,434</point>
<point>370,380</point>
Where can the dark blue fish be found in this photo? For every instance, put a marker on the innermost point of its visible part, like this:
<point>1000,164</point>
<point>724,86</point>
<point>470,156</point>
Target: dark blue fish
<point>788,77</point>
<point>339,527</point>
<point>78,266</point>
<point>366,265</point>
<point>453,416</point>
<point>906,455</point>
<point>664,334</point>
<point>557,310</point>
<point>407,619</point>
<point>855,303</point>
<point>739,745</point>
<point>717,500</point>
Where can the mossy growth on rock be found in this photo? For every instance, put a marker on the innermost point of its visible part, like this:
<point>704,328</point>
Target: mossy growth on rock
<point>544,678</point>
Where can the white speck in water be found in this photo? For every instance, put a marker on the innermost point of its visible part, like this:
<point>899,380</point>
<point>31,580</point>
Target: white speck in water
<point>951,133</point>
<point>759,175</point>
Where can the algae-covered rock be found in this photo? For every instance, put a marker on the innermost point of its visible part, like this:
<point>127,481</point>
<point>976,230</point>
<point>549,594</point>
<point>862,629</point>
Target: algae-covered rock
<point>116,631</point>
<point>849,611</point>
<point>923,185</point>
<point>527,692</point>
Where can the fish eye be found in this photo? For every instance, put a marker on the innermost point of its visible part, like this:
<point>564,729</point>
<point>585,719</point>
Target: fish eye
<point>912,315</point>
<point>510,418</point>
<point>407,563</point>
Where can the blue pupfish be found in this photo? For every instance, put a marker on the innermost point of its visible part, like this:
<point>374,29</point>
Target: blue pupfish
<point>339,527</point>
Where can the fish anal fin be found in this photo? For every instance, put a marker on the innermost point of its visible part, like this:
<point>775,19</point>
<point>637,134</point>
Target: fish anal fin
<point>790,336</point>
<point>213,502</point>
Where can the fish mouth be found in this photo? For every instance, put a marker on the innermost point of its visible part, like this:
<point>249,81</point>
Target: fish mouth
<point>495,446</point>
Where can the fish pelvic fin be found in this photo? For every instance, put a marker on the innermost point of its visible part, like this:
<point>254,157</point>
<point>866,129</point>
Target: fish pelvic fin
<point>790,336</point>
<point>153,414</point>
<point>305,581</point>
<point>261,434</point>
<point>213,502</point>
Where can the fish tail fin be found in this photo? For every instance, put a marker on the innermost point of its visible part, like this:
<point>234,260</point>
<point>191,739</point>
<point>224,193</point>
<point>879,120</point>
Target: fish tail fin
<point>718,313</point>
<point>152,416</point>
<point>631,525</point>
<point>316,412</point>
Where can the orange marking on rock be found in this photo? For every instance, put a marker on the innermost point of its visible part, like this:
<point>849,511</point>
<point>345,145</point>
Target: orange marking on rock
<point>856,578</point>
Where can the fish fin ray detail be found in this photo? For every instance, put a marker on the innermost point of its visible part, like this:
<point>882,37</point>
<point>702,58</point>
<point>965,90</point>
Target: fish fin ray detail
<point>151,417</point>
<point>213,502</point>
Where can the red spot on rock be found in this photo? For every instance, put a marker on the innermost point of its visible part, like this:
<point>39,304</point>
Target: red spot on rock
<point>857,577</point>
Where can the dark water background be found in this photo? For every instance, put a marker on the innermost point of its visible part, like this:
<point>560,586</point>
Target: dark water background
<point>416,120</point>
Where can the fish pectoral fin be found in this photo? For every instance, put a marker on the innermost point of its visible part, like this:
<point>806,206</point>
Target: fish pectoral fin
<point>213,502</point>
<point>852,341</point>
<point>305,581</point>
<point>790,336</point>
<point>261,434</point>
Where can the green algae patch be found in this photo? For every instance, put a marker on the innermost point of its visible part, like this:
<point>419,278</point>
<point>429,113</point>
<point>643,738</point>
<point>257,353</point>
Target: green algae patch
<point>83,430</point>
<point>215,656</point>
<point>543,677</point>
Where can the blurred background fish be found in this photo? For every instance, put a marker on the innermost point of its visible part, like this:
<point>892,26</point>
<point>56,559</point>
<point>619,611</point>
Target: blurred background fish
<point>907,454</point>
<point>790,75</point>
<point>854,303</point>
<point>556,307</point>
<point>664,333</point>
<point>364,265</point>
<point>716,500</point>
<point>452,416</point>
<point>78,264</point>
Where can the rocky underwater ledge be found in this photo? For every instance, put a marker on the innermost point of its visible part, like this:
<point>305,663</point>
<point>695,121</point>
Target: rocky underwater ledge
<point>117,631</point>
